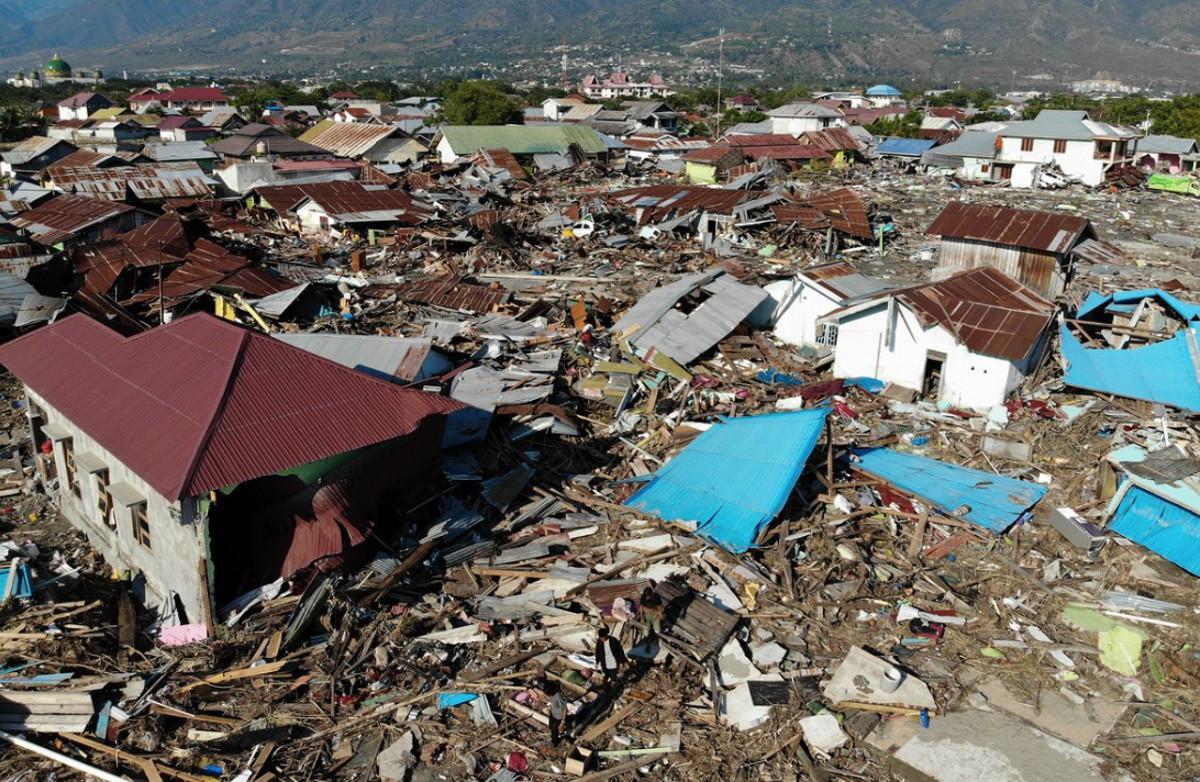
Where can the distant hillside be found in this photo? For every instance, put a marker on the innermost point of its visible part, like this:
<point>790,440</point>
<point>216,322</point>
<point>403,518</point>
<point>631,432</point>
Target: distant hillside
<point>947,40</point>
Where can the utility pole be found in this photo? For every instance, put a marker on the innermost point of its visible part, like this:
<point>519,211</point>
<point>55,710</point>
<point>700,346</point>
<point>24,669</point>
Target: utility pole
<point>720,76</point>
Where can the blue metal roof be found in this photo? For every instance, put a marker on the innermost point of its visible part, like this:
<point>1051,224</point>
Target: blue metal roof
<point>734,478</point>
<point>1164,372</point>
<point>905,147</point>
<point>881,90</point>
<point>993,502</point>
<point>1097,301</point>
<point>1171,531</point>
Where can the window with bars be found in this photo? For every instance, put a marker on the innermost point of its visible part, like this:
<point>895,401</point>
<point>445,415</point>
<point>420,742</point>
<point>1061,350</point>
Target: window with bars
<point>1060,146</point>
<point>72,471</point>
<point>104,502</point>
<point>828,335</point>
<point>1026,145</point>
<point>141,524</point>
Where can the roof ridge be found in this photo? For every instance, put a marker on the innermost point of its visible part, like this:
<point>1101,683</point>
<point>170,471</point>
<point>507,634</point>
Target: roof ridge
<point>218,413</point>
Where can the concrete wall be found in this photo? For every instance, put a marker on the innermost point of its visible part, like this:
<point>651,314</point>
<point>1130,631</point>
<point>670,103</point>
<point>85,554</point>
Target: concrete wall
<point>969,380</point>
<point>799,304</point>
<point>1077,161</point>
<point>798,126</point>
<point>171,566</point>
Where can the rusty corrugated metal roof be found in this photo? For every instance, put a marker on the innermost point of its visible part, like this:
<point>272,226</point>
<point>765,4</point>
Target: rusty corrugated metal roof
<point>145,182</point>
<point>65,216</point>
<point>1043,231</point>
<point>453,293</point>
<point>988,311</point>
<point>201,404</point>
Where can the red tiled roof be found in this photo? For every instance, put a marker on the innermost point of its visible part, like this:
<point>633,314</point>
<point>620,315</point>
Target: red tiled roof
<point>200,404</point>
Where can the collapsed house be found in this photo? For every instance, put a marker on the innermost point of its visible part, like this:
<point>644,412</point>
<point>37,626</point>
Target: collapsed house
<point>968,340</point>
<point>243,457</point>
<point>1154,500</point>
<point>1149,349</point>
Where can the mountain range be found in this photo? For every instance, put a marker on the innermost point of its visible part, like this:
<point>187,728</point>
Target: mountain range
<point>1140,41</point>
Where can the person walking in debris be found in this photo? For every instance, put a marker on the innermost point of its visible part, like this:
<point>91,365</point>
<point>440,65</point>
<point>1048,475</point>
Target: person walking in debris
<point>558,712</point>
<point>651,607</point>
<point>609,654</point>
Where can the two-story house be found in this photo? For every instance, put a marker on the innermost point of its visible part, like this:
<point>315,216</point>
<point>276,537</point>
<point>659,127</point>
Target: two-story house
<point>1071,141</point>
<point>796,119</point>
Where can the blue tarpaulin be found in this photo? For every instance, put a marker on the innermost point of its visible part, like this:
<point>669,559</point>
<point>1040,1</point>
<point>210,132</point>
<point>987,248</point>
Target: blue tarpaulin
<point>1164,372</point>
<point>734,478</point>
<point>1167,529</point>
<point>985,499</point>
<point>1126,301</point>
<point>448,700</point>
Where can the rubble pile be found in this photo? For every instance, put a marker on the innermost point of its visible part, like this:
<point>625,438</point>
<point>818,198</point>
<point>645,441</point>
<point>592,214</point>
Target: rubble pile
<point>807,573</point>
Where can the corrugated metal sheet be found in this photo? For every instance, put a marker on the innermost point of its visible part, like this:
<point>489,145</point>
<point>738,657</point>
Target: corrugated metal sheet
<point>144,182</point>
<point>452,292</point>
<point>349,139</point>
<point>1167,529</point>
<point>985,499</point>
<point>1164,372</point>
<point>735,477</point>
<point>658,203</point>
<point>200,404</point>
<point>1044,231</point>
<point>985,309</point>
<point>63,217</point>
<point>466,140</point>
<point>284,198</point>
<point>653,323</point>
<point>846,212</point>
<point>394,359</point>
<point>904,147</point>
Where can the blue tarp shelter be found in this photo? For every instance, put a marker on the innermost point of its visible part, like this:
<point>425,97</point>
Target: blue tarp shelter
<point>734,478</point>
<point>1164,372</point>
<point>991,501</point>
<point>1163,517</point>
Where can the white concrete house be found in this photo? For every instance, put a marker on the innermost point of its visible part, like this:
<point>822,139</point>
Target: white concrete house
<point>801,301</point>
<point>1083,149</point>
<point>968,340</point>
<point>800,118</point>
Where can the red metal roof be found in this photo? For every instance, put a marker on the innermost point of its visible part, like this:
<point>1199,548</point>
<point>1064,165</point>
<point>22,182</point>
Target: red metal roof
<point>193,94</point>
<point>201,404</point>
<point>1043,231</point>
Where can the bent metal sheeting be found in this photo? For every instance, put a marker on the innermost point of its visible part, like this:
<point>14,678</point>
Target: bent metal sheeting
<point>736,477</point>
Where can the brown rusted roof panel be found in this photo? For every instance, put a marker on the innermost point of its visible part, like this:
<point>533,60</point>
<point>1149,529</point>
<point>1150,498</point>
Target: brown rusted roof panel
<point>1044,231</point>
<point>988,311</point>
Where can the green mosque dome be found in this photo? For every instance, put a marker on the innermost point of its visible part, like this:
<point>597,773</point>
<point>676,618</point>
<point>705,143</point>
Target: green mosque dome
<point>58,68</point>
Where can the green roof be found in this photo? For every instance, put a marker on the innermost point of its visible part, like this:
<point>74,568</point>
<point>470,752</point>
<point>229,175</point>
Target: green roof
<point>523,139</point>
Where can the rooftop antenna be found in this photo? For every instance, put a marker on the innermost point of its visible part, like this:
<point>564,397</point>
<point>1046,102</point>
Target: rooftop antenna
<point>720,75</point>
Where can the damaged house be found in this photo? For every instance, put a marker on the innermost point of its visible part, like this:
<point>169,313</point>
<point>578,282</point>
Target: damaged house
<point>801,301</point>
<point>1140,345</point>
<point>206,460</point>
<point>1038,249</point>
<point>968,340</point>
<point>1034,152</point>
<point>711,213</point>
